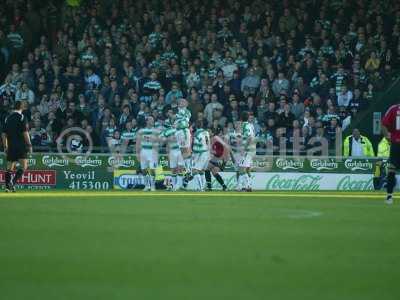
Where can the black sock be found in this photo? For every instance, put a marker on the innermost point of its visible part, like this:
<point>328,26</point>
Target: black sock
<point>18,175</point>
<point>391,182</point>
<point>219,179</point>
<point>208,178</point>
<point>7,177</point>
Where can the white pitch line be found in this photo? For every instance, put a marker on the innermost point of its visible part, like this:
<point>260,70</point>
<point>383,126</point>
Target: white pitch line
<point>304,214</point>
<point>189,194</point>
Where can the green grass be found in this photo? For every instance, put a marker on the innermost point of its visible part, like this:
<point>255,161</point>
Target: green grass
<point>278,246</point>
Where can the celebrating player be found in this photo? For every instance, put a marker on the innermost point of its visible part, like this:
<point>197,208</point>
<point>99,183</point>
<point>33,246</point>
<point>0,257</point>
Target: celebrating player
<point>234,138</point>
<point>248,150</point>
<point>391,130</point>
<point>175,158</point>
<point>147,151</point>
<point>201,155</point>
<point>17,144</point>
<point>182,123</point>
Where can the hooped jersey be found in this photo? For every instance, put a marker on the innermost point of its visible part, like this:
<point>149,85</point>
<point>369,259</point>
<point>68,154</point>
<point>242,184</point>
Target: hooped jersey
<point>148,138</point>
<point>201,141</point>
<point>182,120</point>
<point>233,138</point>
<point>170,135</point>
<point>248,137</point>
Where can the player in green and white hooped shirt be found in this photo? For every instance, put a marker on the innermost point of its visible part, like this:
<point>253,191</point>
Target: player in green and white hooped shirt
<point>201,155</point>
<point>147,152</point>
<point>248,151</point>
<point>234,139</point>
<point>182,124</point>
<point>176,164</point>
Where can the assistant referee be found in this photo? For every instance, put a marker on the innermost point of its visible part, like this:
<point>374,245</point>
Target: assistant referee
<point>17,145</point>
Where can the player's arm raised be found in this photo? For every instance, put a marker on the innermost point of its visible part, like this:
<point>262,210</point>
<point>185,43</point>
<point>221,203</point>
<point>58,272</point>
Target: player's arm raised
<point>207,138</point>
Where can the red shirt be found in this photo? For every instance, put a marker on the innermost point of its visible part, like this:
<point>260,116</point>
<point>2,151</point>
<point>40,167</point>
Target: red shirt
<point>391,121</point>
<point>218,149</point>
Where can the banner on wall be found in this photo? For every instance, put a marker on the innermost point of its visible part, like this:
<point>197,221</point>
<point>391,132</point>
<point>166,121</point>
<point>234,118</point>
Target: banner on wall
<point>302,181</point>
<point>35,179</point>
<point>127,179</point>
<point>105,172</point>
<point>261,163</point>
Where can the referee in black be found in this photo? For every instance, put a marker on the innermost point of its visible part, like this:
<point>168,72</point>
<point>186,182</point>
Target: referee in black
<point>17,145</point>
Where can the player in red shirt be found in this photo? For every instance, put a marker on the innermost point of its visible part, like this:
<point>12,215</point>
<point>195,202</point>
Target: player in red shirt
<point>219,156</point>
<point>391,130</point>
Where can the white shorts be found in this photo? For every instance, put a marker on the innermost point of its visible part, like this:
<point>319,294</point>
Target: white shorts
<point>148,159</point>
<point>183,138</point>
<point>201,160</point>
<point>246,160</point>
<point>236,159</point>
<point>175,159</point>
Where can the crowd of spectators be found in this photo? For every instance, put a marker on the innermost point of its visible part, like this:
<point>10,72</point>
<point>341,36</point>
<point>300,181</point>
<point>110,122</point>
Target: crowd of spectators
<point>297,66</point>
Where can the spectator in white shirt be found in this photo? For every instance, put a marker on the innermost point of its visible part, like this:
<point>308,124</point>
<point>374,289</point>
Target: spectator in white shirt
<point>229,68</point>
<point>210,107</point>
<point>280,85</point>
<point>345,97</point>
<point>114,142</point>
<point>193,78</point>
<point>92,80</point>
<point>25,94</point>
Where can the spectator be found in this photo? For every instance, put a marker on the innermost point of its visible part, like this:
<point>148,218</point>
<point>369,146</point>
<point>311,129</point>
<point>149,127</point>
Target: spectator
<point>317,144</point>
<point>383,148</point>
<point>124,117</point>
<point>251,82</point>
<point>92,80</point>
<point>210,107</point>
<point>115,142</point>
<point>39,136</point>
<point>271,112</point>
<point>265,91</point>
<point>345,97</point>
<point>229,68</point>
<point>372,63</point>
<point>332,131</point>
<point>174,94</point>
<point>16,40</point>
<point>286,117</point>
<point>193,78</point>
<point>297,108</point>
<point>128,136</point>
<point>107,61</point>
<point>25,94</point>
<point>235,83</point>
<point>356,145</point>
<point>280,85</point>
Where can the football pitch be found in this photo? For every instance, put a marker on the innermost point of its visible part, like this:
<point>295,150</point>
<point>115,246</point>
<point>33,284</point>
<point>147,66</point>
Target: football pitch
<point>125,245</point>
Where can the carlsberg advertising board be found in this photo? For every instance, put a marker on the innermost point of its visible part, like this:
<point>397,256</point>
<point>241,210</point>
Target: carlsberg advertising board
<point>100,171</point>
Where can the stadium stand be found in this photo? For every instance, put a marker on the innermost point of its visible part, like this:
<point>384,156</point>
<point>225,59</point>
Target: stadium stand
<point>106,65</point>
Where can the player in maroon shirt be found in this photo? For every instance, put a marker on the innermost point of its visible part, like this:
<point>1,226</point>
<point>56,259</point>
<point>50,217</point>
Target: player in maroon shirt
<point>391,130</point>
<point>219,156</point>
